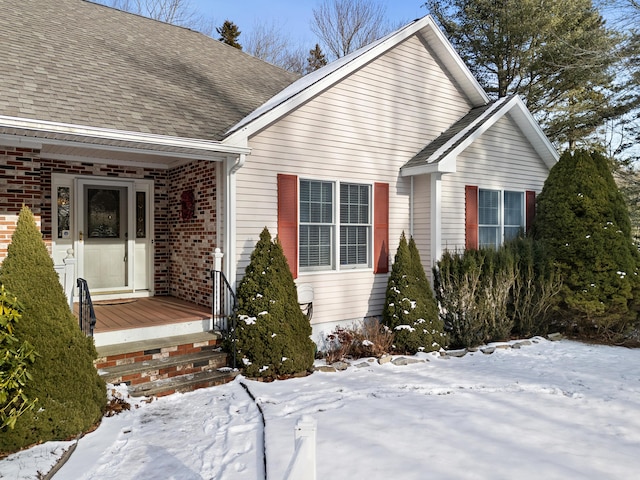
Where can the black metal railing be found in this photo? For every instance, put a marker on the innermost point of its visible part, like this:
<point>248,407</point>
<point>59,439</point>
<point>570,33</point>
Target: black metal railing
<point>224,306</point>
<point>86,314</point>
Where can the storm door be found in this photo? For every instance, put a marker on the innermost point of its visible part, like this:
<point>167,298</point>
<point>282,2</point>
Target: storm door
<point>106,234</point>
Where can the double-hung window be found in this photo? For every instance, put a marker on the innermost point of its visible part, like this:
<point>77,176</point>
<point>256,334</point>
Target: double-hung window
<point>500,216</point>
<point>335,225</point>
<point>317,224</point>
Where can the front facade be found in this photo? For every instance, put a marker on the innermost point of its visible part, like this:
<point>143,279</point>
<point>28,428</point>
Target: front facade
<point>397,137</point>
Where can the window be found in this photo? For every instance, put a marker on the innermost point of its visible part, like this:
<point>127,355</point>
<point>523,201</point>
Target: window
<point>316,224</point>
<point>320,223</point>
<point>500,216</point>
<point>355,224</point>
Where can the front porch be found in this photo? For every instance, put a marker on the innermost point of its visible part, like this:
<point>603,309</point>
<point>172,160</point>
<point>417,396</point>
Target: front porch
<point>139,319</point>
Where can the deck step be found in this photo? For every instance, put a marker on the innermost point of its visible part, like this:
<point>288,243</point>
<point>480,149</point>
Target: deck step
<point>166,365</point>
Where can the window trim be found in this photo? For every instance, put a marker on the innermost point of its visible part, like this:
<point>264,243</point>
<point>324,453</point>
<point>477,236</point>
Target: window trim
<point>501,214</point>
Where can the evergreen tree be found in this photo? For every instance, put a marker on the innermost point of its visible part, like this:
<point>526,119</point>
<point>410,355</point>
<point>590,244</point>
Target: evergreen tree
<point>410,308</point>
<point>71,396</point>
<point>558,55</point>
<point>229,34</point>
<point>316,59</point>
<point>583,224</point>
<point>273,335</point>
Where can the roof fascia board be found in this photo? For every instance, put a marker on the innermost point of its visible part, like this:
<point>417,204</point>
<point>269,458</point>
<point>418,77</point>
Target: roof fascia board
<point>238,135</point>
<point>119,135</point>
<point>436,167</point>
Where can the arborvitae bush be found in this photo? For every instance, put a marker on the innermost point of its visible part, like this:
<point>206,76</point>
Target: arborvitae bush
<point>583,223</point>
<point>457,285</point>
<point>535,292</point>
<point>410,309</point>
<point>273,335</point>
<point>71,396</point>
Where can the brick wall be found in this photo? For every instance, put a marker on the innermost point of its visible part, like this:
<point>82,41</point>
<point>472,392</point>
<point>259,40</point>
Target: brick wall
<point>19,185</point>
<point>25,178</point>
<point>192,240</point>
<point>182,247</point>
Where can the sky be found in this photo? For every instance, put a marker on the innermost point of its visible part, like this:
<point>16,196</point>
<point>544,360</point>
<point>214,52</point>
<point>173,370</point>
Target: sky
<point>293,15</point>
<point>547,410</point>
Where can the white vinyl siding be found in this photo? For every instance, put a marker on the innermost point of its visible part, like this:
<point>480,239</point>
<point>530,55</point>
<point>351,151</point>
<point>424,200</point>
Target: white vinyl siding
<point>361,131</point>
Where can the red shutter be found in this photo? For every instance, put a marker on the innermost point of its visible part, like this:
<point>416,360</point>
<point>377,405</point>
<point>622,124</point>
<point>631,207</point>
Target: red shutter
<point>471,216</point>
<point>288,219</point>
<point>380,228</point>
<point>530,207</point>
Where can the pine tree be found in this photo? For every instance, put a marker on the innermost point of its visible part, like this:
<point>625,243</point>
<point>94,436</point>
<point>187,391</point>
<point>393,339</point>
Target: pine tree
<point>410,309</point>
<point>583,224</point>
<point>229,34</point>
<point>71,396</point>
<point>273,335</point>
<point>316,59</point>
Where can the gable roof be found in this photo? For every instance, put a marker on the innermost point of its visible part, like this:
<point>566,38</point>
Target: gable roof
<point>440,154</point>
<point>316,82</point>
<point>74,62</point>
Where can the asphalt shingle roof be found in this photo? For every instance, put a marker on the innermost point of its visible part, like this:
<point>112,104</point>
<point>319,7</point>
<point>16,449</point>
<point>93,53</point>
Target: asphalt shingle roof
<point>450,138</point>
<point>76,62</point>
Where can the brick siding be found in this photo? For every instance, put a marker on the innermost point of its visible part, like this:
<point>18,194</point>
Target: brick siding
<point>182,247</point>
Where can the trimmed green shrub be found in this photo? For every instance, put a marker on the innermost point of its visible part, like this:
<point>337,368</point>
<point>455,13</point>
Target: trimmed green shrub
<point>71,396</point>
<point>410,309</point>
<point>15,360</point>
<point>273,335</point>
<point>583,223</point>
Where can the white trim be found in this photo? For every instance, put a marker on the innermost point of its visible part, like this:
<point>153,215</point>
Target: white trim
<point>314,83</point>
<point>336,266</point>
<point>20,142</point>
<point>108,134</point>
<point>436,217</point>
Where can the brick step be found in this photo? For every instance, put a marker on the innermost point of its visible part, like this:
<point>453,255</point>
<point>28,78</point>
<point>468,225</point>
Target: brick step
<point>165,367</point>
<point>183,383</point>
<point>134,352</point>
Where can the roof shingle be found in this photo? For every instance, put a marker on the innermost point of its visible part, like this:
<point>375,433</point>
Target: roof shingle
<point>76,62</point>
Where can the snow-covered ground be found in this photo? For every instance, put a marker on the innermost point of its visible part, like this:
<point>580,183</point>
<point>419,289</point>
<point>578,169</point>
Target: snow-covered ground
<point>552,410</point>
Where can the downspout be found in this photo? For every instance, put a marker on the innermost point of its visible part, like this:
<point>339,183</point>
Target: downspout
<point>436,217</point>
<point>233,164</point>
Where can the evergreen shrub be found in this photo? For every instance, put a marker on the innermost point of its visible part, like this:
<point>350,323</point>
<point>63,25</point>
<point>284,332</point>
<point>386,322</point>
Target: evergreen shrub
<point>583,223</point>
<point>273,335</point>
<point>71,396</point>
<point>534,295</point>
<point>410,309</point>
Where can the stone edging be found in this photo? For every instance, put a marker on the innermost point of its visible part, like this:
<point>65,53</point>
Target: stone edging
<point>400,360</point>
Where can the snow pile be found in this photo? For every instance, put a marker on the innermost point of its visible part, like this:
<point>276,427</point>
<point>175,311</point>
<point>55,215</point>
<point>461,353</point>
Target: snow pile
<point>548,410</point>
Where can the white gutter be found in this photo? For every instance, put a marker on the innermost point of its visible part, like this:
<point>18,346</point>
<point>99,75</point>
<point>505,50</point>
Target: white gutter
<point>108,134</point>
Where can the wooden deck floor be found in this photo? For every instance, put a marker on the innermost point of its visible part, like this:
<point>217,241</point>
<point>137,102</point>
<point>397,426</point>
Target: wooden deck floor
<point>117,315</point>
